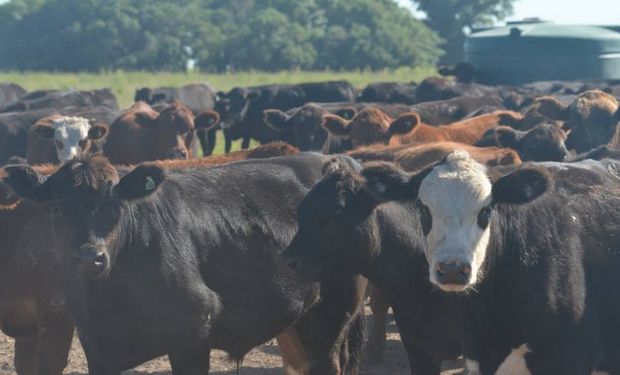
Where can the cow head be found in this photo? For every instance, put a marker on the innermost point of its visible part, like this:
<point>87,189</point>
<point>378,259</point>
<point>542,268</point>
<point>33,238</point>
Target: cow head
<point>95,204</point>
<point>143,94</point>
<point>456,200</point>
<point>368,127</point>
<point>72,136</point>
<point>332,218</point>
<point>233,105</point>
<point>304,124</point>
<point>544,142</point>
<point>173,130</point>
<point>592,118</point>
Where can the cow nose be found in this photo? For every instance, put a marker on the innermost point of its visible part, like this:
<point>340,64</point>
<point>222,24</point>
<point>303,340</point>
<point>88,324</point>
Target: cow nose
<point>453,272</point>
<point>93,259</point>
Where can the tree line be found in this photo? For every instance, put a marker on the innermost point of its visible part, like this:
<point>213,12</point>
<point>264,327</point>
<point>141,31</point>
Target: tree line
<point>220,35</point>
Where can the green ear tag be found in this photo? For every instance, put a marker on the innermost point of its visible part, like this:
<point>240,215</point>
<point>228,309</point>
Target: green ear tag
<point>150,184</point>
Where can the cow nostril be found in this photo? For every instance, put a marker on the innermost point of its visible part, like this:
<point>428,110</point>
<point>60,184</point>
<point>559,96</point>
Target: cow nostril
<point>465,270</point>
<point>100,260</point>
<point>440,270</point>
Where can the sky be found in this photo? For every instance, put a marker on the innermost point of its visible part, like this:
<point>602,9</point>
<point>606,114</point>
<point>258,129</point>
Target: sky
<point>594,12</point>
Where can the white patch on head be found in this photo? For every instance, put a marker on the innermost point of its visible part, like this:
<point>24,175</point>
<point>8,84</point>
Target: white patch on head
<point>472,367</point>
<point>515,363</point>
<point>455,192</point>
<point>69,132</point>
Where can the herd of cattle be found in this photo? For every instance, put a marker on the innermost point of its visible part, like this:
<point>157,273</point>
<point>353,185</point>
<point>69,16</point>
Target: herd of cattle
<point>485,216</point>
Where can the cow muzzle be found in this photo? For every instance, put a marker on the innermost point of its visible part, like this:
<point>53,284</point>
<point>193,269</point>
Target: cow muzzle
<point>452,276</point>
<point>93,261</point>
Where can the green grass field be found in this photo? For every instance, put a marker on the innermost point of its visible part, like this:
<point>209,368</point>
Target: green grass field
<point>124,84</point>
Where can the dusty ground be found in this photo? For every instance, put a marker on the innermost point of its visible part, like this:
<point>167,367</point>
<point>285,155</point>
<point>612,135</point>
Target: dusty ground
<point>264,360</point>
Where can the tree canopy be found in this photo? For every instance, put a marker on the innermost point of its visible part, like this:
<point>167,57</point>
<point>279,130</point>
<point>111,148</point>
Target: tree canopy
<point>450,18</point>
<point>271,35</point>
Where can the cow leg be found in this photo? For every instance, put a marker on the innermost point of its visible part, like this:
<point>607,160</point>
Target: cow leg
<point>294,358</point>
<point>326,326</point>
<point>355,343</point>
<point>419,362</point>
<point>55,336</point>
<point>211,140</point>
<point>202,139</point>
<point>379,304</point>
<point>190,361</point>
<point>26,355</point>
<point>245,144</point>
<point>227,143</point>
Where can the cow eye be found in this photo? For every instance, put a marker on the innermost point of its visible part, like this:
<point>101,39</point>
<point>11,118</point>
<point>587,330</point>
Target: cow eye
<point>59,145</point>
<point>425,217</point>
<point>483,217</point>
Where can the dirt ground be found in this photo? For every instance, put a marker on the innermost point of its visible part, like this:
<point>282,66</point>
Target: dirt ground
<point>264,360</point>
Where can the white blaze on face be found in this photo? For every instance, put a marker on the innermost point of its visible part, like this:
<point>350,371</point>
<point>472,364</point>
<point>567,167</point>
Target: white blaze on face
<point>68,134</point>
<point>455,192</point>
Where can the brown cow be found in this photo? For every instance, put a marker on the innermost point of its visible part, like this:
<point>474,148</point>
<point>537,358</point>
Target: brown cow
<point>142,134</point>
<point>373,126</point>
<point>32,307</point>
<point>592,118</point>
<point>56,139</point>
<point>408,128</point>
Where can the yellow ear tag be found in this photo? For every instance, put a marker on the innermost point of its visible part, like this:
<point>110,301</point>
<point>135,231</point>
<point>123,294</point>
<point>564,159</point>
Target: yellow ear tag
<point>150,184</point>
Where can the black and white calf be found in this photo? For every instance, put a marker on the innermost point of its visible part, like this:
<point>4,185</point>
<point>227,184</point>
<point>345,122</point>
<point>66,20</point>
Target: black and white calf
<point>536,252</point>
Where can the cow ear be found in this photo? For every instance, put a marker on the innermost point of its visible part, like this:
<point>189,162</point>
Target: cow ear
<point>276,119</point>
<point>405,123</point>
<point>512,119</point>
<point>505,136</point>
<point>141,182</point>
<point>336,125</point>
<point>26,183</point>
<point>390,183</point>
<point>97,132</point>
<point>552,108</point>
<point>522,186</point>
<point>346,113</point>
<point>145,119</point>
<point>43,130</point>
<point>207,120</point>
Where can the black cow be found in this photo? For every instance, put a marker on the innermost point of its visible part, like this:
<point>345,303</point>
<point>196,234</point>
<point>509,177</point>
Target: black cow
<point>59,99</point>
<point>462,71</point>
<point>341,233</point>
<point>302,126</point>
<point>544,142</point>
<point>389,92</point>
<point>435,88</point>
<point>10,93</point>
<point>199,97</point>
<point>241,109</point>
<point>535,252</point>
<point>182,261</point>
